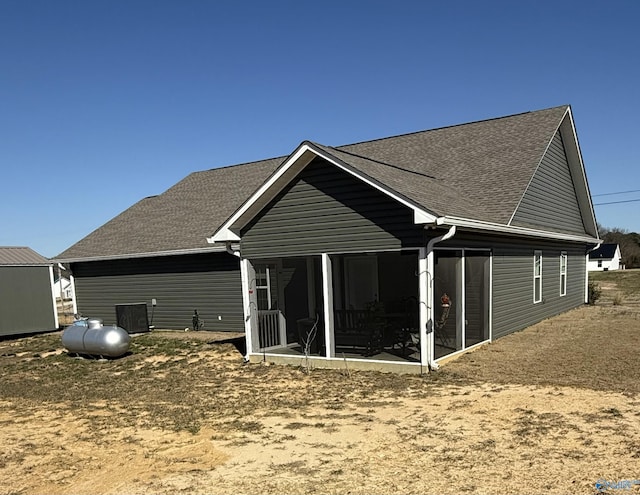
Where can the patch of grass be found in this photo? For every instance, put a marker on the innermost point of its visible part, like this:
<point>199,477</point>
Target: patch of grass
<point>244,426</point>
<point>594,292</point>
<point>295,425</point>
<point>532,424</point>
<point>613,412</point>
<point>627,281</point>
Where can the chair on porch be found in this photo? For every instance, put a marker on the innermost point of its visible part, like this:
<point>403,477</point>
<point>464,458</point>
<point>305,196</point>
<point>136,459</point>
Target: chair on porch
<point>441,322</point>
<point>402,328</point>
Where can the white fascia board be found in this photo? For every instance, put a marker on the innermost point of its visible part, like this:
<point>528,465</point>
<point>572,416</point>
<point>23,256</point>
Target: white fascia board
<point>422,217</point>
<point>579,178</point>
<point>513,230</point>
<point>574,157</point>
<point>229,231</point>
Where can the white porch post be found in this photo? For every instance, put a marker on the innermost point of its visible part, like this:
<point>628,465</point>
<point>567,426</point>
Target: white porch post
<point>250,305</point>
<point>53,297</point>
<point>426,333</point>
<point>327,295</point>
<point>72,280</point>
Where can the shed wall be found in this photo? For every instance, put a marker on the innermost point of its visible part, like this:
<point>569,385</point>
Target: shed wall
<point>209,283</point>
<point>26,300</point>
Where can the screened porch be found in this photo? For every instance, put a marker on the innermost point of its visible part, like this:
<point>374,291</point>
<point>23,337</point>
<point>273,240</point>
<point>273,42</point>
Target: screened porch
<point>374,300</point>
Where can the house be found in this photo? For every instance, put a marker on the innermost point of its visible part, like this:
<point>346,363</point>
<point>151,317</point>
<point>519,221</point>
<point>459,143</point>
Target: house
<point>395,253</point>
<point>27,302</point>
<point>62,288</point>
<point>606,257</point>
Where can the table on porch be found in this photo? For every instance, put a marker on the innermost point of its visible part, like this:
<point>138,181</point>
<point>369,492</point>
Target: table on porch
<point>372,332</point>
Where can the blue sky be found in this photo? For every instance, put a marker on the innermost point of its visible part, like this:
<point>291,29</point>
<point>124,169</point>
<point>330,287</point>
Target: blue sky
<point>103,103</point>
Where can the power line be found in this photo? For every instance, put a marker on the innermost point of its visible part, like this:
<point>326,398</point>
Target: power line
<point>620,192</point>
<point>617,202</point>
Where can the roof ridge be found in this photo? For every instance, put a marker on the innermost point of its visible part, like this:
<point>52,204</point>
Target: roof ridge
<point>449,126</point>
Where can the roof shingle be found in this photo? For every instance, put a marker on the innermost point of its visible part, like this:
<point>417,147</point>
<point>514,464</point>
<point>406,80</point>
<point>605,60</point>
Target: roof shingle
<point>478,170</point>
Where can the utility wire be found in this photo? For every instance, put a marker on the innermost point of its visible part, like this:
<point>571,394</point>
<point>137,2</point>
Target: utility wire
<point>617,202</point>
<point>611,194</point>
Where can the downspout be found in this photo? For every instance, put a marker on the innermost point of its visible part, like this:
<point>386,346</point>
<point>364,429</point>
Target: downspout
<point>586,272</point>
<point>430,269</point>
<point>444,237</point>
<point>230,250</point>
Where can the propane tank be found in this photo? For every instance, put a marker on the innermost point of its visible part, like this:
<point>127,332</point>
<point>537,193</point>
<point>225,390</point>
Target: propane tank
<point>93,338</point>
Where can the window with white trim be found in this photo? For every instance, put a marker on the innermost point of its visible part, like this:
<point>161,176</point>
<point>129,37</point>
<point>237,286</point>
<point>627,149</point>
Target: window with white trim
<point>263,287</point>
<point>563,273</point>
<point>537,277</point>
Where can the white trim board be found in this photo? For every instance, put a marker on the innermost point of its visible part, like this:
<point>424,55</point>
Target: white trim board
<point>300,158</point>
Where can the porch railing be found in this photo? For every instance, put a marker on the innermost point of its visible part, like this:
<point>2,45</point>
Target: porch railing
<point>270,329</point>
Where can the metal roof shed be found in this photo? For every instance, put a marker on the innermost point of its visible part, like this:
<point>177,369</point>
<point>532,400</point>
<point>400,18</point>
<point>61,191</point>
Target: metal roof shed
<point>27,301</point>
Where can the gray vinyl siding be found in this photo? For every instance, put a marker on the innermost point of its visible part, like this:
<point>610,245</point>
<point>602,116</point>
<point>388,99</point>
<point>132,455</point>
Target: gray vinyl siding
<point>550,201</point>
<point>209,283</point>
<point>513,307</point>
<point>512,281</point>
<point>325,209</point>
<point>26,300</point>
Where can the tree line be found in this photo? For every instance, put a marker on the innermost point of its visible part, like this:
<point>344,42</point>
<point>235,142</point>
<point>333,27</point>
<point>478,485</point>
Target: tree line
<point>629,243</point>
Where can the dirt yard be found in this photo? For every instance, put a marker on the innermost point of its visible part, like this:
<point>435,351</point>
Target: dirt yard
<point>553,409</point>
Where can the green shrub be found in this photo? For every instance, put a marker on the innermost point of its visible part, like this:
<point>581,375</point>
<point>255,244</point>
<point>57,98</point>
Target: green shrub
<point>594,292</point>
<point>617,299</point>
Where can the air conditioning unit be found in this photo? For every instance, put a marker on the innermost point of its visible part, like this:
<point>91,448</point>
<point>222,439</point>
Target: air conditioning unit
<point>132,317</point>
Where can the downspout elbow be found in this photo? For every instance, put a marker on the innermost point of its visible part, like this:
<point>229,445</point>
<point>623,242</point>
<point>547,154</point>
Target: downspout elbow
<point>448,235</point>
<point>230,250</point>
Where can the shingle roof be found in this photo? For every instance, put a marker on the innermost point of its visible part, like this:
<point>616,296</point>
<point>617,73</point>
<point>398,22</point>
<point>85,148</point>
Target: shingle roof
<point>486,165</point>
<point>478,170</point>
<point>21,256</point>
<point>179,219</point>
<point>605,251</point>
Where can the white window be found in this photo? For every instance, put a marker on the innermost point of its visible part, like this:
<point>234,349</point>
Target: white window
<point>537,276</point>
<point>563,273</point>
<point>263,287</point>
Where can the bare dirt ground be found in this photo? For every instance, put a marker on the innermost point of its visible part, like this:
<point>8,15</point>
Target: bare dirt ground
<point>552,409</point>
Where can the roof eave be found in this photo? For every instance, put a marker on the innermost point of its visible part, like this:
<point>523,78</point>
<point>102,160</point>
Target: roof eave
<point>177,252</point>
<point>515,231</point>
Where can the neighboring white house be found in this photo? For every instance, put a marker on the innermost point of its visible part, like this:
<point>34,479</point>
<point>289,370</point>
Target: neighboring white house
<point>63,286</point>
<point>605,258</point>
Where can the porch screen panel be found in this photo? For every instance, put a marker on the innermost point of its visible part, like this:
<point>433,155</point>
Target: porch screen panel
<point>447,293</point>
<point>476,297</point>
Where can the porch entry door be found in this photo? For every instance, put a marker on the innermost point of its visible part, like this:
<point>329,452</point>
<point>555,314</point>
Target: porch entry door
<point>460,299</point>
<point>361,281</point>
